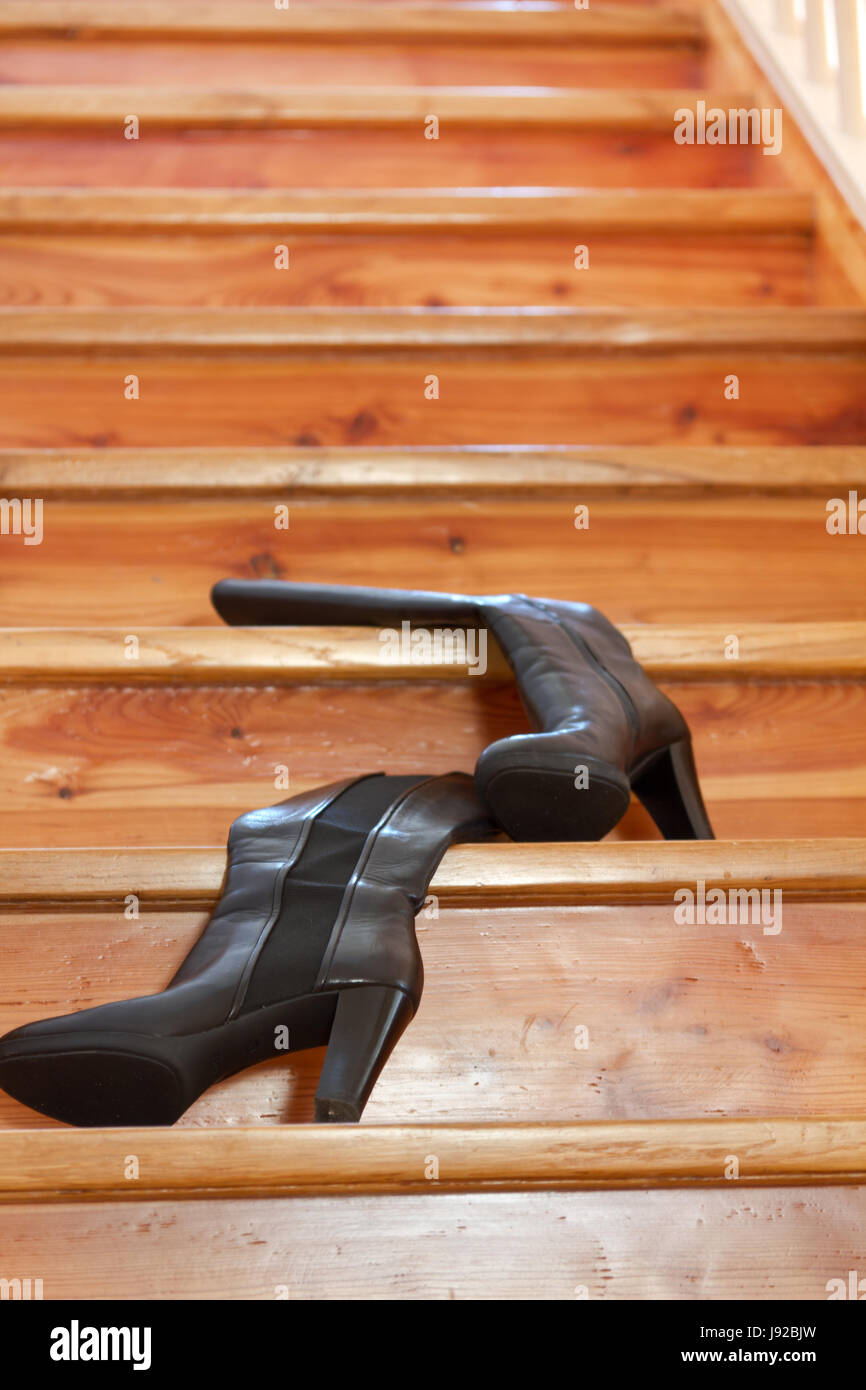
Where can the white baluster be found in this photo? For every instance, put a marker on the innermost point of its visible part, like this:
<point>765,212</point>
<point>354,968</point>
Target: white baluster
<point>852,40</point>
<point>786,17</point>
<point>817,61</point>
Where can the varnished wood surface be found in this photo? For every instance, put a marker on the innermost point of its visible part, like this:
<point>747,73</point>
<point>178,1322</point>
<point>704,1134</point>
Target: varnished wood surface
<point>438,61</point>
<point>457,474</point>
<point>127,766</point>
<point>623,398</point>
<point>687,1245</point>
<point>616,48</point>
<point>485,875</point>
<point>692,1022</point>
<point>88,1165</point>
<point>46,105</point>
<point>698,212</point>
<point>373,158</point>
<point>682,244</point>
<point>404,271</point>
<point>377,62</point>
<point>98,567</point>
<point>216,655</point>
<point>683,6</point>
<point>806,332</point>
<point>681,1022</point>
<point>625,23</point>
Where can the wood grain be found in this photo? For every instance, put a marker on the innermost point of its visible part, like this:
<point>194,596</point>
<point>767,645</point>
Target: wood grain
<point>529,1014</point>
<point>694,247</point>
<point>389,474</point>
<point>376,61</point>
<point>370,157</point>
<point>310,1160</point>
<point>378,398</point>
<point>351,331</point>
<point>620,1246</point>
<point>702,1041</point>
<point>469,876</point>
<point>133,766</point>
<point>750,559</point>
<point>245,656</point>
<point>709,212</point>
<point>45,105</point>
<point>398,270</point>
<point>627,24</point>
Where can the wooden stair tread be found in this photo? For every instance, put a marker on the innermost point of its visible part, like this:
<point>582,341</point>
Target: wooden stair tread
<point>642,379</point>
<point>45,105</point>
<point>470,876</point>
<point>694,1022</point>
<point>346,331</point>
<point>187,655</point>
<point>530,1013</point>
<point>312,1159</point>
<point>757,556</point>
<point>669,212</point>
<point>414,250</point>
<point>338,156</point>
<point>168,763</point>
<point>525,1246</point>
<point>386,472</point>
<point>224,20</point>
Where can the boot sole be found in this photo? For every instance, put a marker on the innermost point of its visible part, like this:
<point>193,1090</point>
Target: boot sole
<point>537,804</point>
<point>89,1077</point>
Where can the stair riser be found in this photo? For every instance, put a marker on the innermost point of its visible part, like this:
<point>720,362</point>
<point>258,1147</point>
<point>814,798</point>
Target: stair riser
<point>440,267</point>
<point>160,765</point>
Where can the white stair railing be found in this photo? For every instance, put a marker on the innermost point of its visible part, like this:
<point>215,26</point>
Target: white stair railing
<point>850,16</point>
<point>815,53</point>
<point>832,38</point>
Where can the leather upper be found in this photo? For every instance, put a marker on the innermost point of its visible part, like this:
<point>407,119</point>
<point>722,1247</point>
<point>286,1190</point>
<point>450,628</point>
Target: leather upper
<point>373,940</point>
<point>574,670</point>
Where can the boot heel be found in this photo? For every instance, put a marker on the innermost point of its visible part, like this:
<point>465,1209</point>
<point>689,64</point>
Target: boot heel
<point>669,789</point>
<point>368,1021</point>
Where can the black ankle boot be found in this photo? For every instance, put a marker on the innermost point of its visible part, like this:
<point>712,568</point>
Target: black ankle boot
<point>603,728</point>
<point>312,942</point>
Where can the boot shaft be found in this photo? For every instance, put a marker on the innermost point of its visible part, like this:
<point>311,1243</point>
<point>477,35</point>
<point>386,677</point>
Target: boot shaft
<point>323,888</point>
<point>312,944</point>
<point>574,669</point>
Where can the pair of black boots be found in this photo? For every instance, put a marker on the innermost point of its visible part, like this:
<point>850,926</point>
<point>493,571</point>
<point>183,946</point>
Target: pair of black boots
<point>313,938</point>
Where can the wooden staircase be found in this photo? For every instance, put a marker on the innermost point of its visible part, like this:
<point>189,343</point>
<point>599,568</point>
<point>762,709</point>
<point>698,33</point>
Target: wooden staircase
<point>284,333</point>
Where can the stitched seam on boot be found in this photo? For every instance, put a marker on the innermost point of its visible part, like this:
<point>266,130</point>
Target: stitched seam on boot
<point>277,901</point>
<point>363,859</point>
<point>583,646</point>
